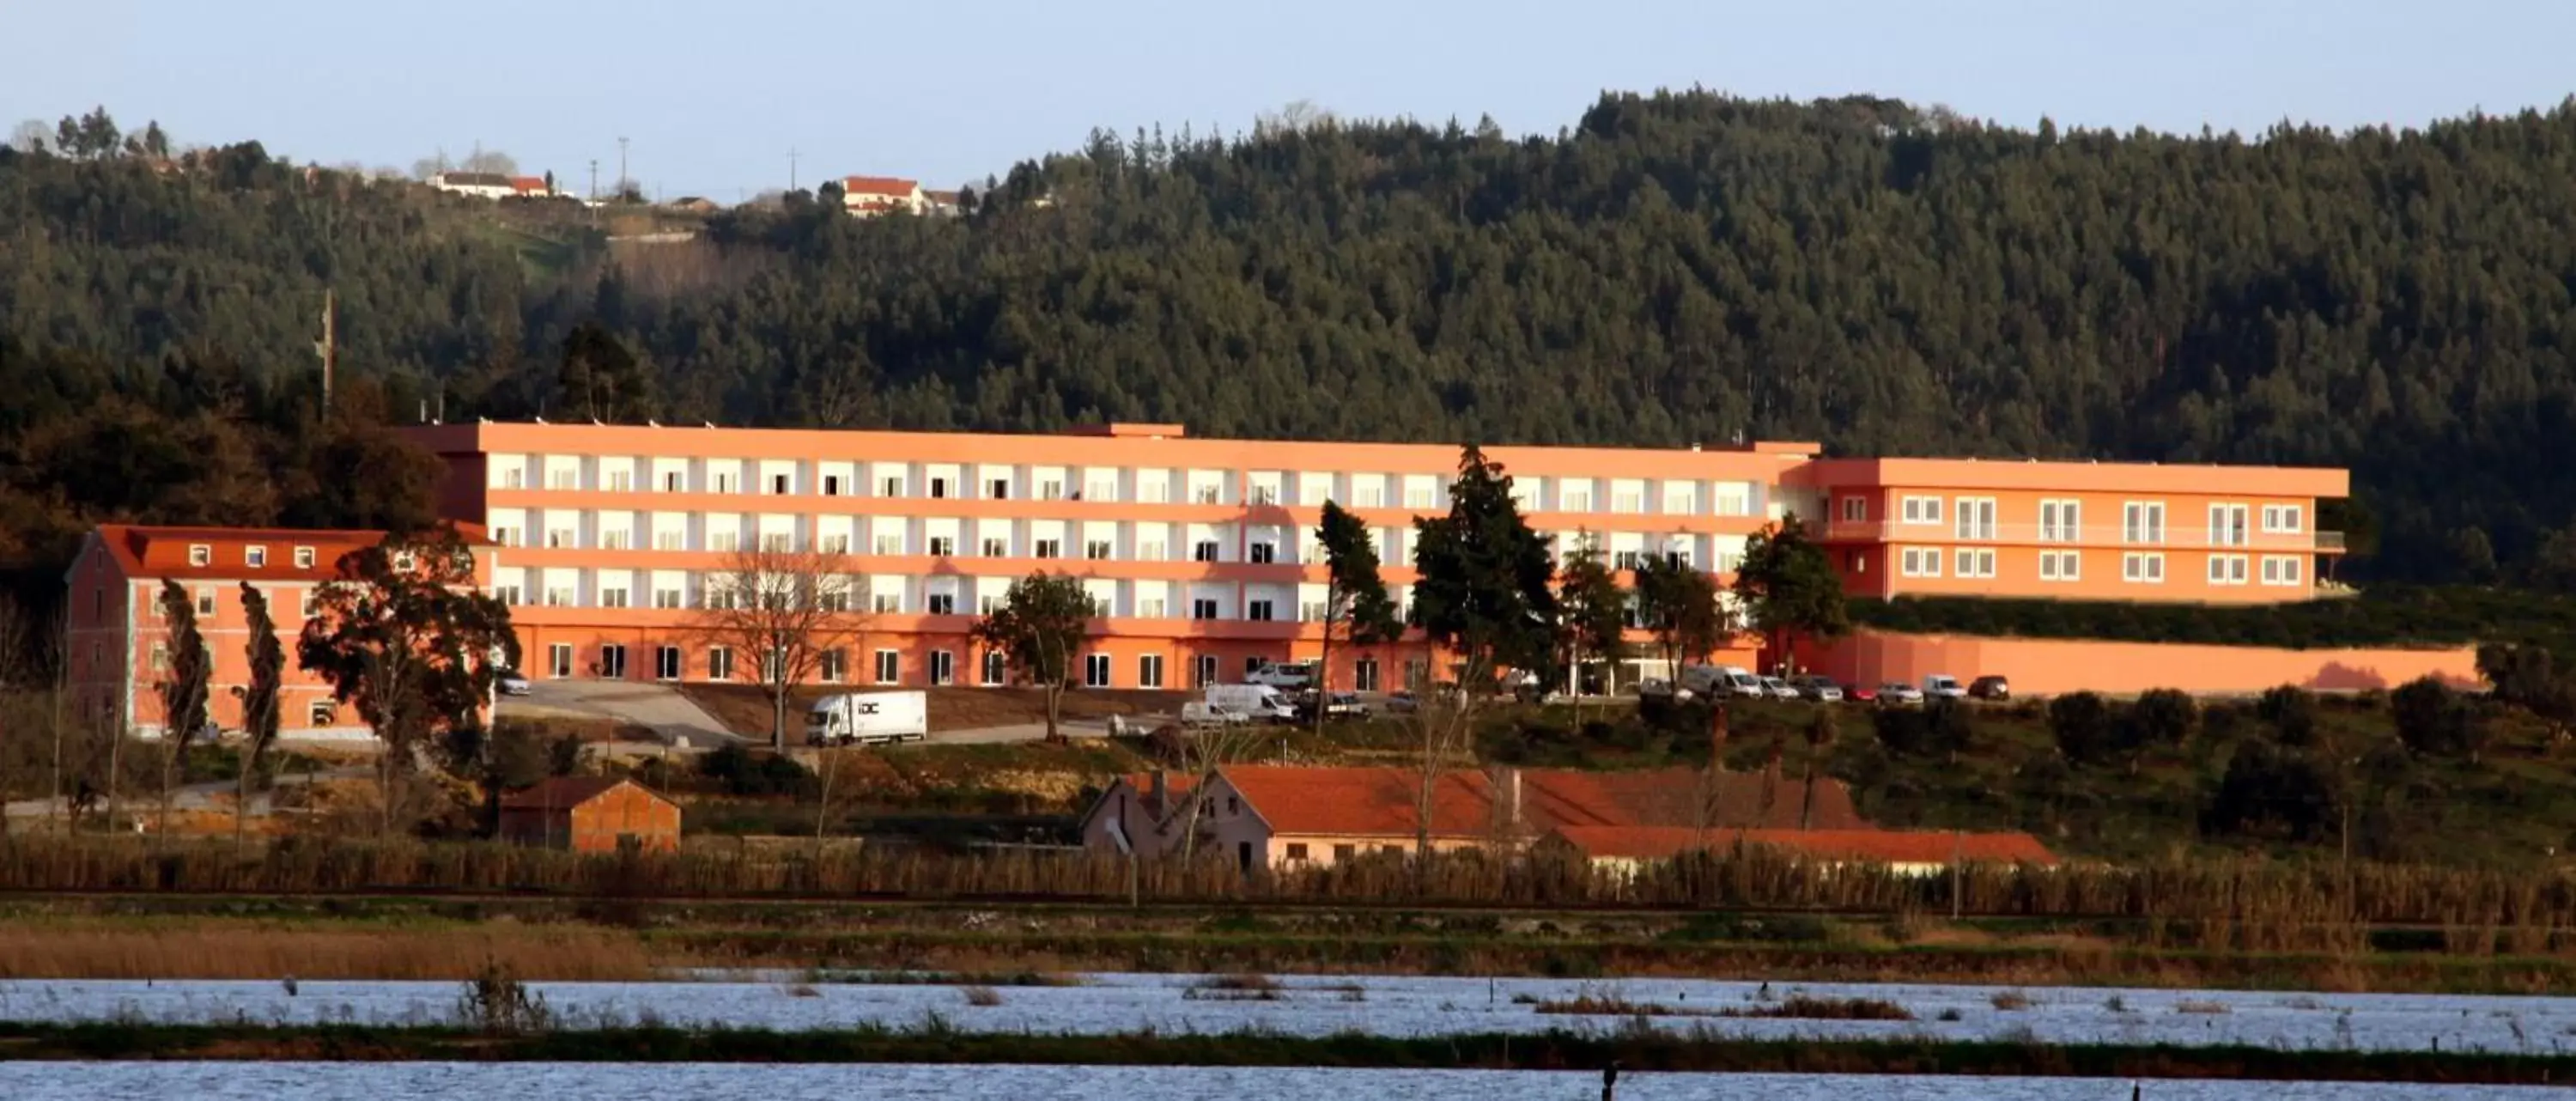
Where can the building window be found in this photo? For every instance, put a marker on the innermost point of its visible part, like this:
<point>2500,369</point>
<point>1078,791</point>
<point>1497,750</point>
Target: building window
<point>996,668</point>
<point>943,604</point>
<point>160,657</point>
<point>2226,569</point>
<point>559,660</point>
<point>1202,608</point>
<point>1050,548</point>
<point>2142,522</point>
<point>1095,670</point>
<point>1096,549</point>
<point>199,554</point>
<point>887,603</point>
<point>563,479</point>
<point>1922,510</point>
<point>1150,607</point>
<point>1365,675</point>
<point>612,661</point>
<point>322,713</point>
<point>833,665</point>
<point>621,481</point>
<point>890,486</point>
<point>1975,562</point>
<point>514,478</point>
<point>1296,852</point>
<point>2282,570</point>
<point>1265,553</point>
<point>1855,510</point>
<point>674,481</point>
<point>255,557</point>
<point>831,485</point>
<point>939,488</point>
<point>666,663</point>
<point>2059,566</point>
<point>2060,521</point>
<point>303,558</point>
<point>558,538</point>
<point>1150,550</point>
<point>1259,611</point>
<point>1344,854</point>
<point>726,482</point>
<point>719,663</point>
<point>1920,562</point>
<point>2284,519</point>
<point>998,489</point>
<point>1976,518</point>
<point>2227,526</point>
<point>309,603</point>
<point>889,667</point>
<point>559,596</point>
<point>996,547</point>
<point>943,667</point>
<point>1203,551</point>
<point>1149,671</point>
<point>1203,671</point>
<point>666,596</point>
<point>205,602</point>
<point>1051,489</point>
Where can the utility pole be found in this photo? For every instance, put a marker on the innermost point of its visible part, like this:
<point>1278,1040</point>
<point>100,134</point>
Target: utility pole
<point>791,168</point>
<point>594,179</point>
<point>621,166</point>
<point>328,347</point>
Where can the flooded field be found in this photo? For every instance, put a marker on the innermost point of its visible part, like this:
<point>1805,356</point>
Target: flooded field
<point>1384,1006</point>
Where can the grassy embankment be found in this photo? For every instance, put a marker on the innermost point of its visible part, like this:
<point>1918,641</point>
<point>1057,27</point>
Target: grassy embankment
<point>1636,1049</point>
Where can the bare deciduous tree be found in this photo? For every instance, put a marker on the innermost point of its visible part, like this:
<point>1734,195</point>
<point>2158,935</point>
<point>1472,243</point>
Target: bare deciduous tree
<point>1205,750</point>
<point>786,609</point>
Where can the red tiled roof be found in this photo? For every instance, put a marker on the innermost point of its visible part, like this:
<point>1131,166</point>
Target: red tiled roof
<point>894,186</point>
<point>1877,846</point>
<point>565,792</point>
<point>528,183</point>
<point>1381,801</point>
<point>149,551</point>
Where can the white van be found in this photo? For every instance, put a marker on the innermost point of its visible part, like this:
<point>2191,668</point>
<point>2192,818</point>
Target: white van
<point>868,718</point>
<point>1258,702</point>
<point>1291,675</point>
<point>1720,680</point>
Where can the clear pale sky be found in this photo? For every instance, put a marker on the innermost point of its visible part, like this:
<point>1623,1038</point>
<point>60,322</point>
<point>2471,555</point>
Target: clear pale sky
<point>714,94</point>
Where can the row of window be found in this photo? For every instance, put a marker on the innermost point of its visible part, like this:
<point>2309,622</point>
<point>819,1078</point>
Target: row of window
<point>2062,520</point>
<point>886,667</point>
<point>255,556</point>
<point>1148,486</point>
<point>208,597</point>
<point>2143,567</point>
<point>891,602</point>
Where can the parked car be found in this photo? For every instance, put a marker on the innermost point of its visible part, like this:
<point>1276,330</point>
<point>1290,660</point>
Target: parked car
<point>1990,687</point>
<point>1944,686</point>
<point>1654,686</point>
<point>1897,693</point>
<point>1779,688</point>
<point>1197,713</point>
<point>1336,705</point>
<point>1820,689</point>
<point>1401,701</point>
<point>512,684</point>
<point>1861,693</point>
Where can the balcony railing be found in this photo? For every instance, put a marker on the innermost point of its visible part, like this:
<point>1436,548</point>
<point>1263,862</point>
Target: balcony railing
<point>2170,536</point>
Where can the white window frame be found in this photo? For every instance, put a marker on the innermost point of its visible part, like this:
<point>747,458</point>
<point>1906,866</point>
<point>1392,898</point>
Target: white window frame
<point>2061,566</point>
<point>1919,562</point>
<point>1096,672</point>
<point>1974,518</point>
<point>303,558</point>
<point>255,557</point>
<point>2284,570</point>
<point>888,667</point>
<point>1921,510</point>
<point>201,555</point>
<point>2061,520</point>
<point>1974,562</point>
<point>1855,509</point>
<point>995,669</point>
<point>2285,519</point>
<point>943,667</point>
<point>2143,567</point>
<point>2229,526</point>
<point>2227,569</point>
<point>2142,523</point>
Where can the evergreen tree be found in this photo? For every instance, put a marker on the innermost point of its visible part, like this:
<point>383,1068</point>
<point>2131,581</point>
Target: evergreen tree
<point>1787,585</point>
<point>259,697</point>
<point>1679,605</point>
<point>1356,604</point>
<point>1595,611</point>
<point>184,686</point>
<point>1484,590</point>
<point>1040,627</point>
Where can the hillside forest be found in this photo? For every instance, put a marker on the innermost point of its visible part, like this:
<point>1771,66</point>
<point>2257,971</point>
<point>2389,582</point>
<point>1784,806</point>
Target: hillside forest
<point>1675,268</point>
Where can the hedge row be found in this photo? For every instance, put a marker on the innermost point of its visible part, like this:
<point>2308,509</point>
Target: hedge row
<point>2397,616</point>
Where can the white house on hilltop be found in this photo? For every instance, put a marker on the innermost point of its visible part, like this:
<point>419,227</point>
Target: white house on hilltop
<point>869,196</point>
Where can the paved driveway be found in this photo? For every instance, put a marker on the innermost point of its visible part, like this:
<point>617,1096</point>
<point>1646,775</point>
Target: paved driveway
<point>660,707</point>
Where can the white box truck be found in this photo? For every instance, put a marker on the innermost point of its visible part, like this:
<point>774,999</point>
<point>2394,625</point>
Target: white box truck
<point>1258,702</point>
<point>1720,680</point>
<point>868,718</point>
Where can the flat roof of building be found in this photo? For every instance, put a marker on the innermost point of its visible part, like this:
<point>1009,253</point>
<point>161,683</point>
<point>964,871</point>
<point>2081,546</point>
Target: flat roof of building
<point>2076,476</point>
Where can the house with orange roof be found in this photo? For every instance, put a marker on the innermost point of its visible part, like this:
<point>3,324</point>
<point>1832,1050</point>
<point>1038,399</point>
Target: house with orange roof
<point>1266,816</point>
<point>530,187</point>
<point>1628,850</point>
<point>869,196</point>
<point>117,640</point>
<point>590,814</point>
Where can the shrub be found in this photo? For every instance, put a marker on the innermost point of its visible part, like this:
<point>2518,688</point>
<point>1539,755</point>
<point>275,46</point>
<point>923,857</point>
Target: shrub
<point>981,996</point>
<point>2292,713</point>
<point>2081,724</point>
<point>743,772</point>
<point>2164,716</point>
<point>2434,721</point>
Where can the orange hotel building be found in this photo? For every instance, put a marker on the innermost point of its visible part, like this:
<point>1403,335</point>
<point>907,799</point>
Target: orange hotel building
<point>1200,551</point>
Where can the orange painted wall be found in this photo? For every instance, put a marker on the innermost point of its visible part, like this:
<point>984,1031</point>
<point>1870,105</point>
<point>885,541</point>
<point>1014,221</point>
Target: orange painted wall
<point>2045,667</point>
<point>598,822</point>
